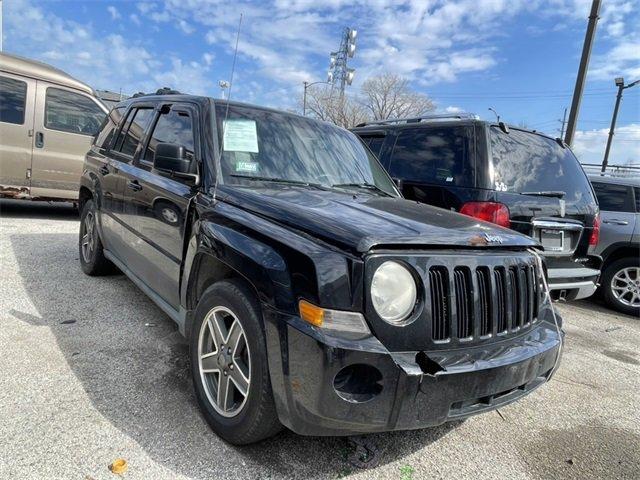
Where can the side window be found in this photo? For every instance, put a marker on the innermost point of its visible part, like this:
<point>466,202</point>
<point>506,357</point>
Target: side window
<point>71,112</point>
<point>374,143</point>
<point>637,192</point>
<point>176,127</point>
<point>133,130</point>
<point>613,198</point>
<point>13,100</point>
<point>109,126</point>
<point>434,155</point>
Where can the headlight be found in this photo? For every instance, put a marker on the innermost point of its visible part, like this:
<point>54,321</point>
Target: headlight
<point>393,292</point>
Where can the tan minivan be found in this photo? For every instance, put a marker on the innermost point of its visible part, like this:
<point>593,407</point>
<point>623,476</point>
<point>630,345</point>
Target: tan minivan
<point>47,123</point>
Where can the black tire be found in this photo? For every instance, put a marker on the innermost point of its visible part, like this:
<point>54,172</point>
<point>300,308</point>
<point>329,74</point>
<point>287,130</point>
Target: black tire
<point>257,418</point>
<point>93,261</point>
<point>607,276</point>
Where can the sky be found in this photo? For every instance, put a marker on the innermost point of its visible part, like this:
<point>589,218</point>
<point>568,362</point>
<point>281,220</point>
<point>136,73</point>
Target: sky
<point>518,56</point>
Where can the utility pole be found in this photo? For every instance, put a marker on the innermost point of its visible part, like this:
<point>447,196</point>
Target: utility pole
<point>496,114</point>
<point>621,86</point>
<point>339,71</point>
<point>582,72</point>
<point>563,122</point>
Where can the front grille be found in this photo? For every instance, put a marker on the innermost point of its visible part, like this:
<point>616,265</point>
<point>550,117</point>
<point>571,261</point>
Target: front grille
<point>470,303</point>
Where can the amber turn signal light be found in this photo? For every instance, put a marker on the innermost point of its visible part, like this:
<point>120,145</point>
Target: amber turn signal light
<point>310,313</point>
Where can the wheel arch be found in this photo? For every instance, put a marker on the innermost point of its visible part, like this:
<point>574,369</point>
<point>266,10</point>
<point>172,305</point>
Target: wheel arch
<point>619,250</point>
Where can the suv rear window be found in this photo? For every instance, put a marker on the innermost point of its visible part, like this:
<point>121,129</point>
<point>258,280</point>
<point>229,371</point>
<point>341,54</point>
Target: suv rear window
<point>528,162</point>
<point>434,155</point>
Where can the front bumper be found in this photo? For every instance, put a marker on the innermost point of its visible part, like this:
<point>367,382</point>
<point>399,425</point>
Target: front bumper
<point>303,364</point>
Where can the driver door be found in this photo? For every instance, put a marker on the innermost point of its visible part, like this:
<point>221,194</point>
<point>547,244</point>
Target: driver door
<point>65,122</point>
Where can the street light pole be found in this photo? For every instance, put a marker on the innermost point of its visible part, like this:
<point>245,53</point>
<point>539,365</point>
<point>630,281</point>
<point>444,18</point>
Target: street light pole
<point>621,87</point>
<point>582,72</point>
<point>496,114</point>
<point>304,96</point>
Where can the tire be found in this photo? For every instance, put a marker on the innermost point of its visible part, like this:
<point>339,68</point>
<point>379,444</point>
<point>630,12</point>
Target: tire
<point>614,275</point>
<point>92,259</point>
<point>242,419</point>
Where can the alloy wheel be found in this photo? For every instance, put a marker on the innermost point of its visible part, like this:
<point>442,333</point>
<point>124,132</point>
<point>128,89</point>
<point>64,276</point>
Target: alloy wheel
<point>625,286</point>
<point>224,361</point>
<point>88,237</point>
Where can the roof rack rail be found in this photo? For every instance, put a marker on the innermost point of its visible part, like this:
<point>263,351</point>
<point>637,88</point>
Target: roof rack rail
<point>160,91</point>
<point>423,118</point>
<point>621,171</point>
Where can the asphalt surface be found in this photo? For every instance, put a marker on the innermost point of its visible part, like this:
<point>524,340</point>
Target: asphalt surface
<point>92,371</point>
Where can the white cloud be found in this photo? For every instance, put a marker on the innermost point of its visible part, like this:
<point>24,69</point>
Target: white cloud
<point>207,58</point>
<point>453,109</point>
<point>113,11</point>
<point>134,19</point>
<point>589,146</point>
<point>621,60</point>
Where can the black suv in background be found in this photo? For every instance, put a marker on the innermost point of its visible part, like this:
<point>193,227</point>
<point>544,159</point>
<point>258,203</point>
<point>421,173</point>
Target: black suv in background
<point>311,293</point>
<point>512,177</point>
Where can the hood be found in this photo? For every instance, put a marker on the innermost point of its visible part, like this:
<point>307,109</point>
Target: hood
<point>363,221</point>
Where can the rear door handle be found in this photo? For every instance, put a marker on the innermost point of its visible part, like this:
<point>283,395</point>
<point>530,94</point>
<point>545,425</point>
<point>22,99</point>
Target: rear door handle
<point>39,140</point>
<point>104,170</point>
<point>134,185</point>
<point>614,221</point>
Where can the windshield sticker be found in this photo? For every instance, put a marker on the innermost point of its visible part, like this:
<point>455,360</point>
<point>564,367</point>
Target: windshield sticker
<point>247,167</point>
<point>240,136</point>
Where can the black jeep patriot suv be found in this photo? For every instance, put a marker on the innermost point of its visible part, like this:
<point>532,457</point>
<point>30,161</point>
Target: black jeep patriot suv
<point>510,176</point>
<point>312,294</point>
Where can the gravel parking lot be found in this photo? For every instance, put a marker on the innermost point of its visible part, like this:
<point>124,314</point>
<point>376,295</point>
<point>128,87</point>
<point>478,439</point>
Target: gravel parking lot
<point>91,371</point>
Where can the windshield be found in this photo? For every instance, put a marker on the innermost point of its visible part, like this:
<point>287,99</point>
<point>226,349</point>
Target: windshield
<point>529,163</point>
<point>267,146</point>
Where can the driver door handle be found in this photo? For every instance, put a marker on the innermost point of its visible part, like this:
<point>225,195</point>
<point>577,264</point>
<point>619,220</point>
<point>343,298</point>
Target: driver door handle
<point>134,185</point>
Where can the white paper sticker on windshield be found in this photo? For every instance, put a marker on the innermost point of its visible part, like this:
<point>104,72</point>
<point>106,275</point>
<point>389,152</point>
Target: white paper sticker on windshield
<point>240,136</point>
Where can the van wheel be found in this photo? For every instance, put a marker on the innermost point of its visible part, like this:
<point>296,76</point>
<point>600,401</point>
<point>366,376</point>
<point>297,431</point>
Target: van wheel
<point>229,365</point>
<point>92,259</point>
<point>621,286</point>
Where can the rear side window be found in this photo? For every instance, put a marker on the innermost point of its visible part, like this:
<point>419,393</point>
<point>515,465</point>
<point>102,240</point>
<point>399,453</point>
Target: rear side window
<point>133,130</point>
<point>637,192</point>
<point>374,143</point>
<point>434,155</point>
<point>614,198</point>
<point>172,127</point>
<point>105,135</point>
<point>71,112</point>
<point>525,162</point>
<point>13,100</point>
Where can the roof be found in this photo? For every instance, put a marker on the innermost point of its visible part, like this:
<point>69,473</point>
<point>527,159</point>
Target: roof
<point>630,181</point>
<point>40,71</point>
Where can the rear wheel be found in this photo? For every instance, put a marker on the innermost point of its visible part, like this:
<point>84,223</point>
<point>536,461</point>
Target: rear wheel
<point>621,285</point>
<point>229,365</point>
<point>92,259</point>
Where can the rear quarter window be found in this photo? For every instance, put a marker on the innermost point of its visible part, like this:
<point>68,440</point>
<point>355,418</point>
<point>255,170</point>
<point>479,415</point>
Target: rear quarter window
<point>440,155</point>
<point>614,198</point>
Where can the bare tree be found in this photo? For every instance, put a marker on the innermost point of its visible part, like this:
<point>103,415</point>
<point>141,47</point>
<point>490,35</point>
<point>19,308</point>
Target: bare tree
<point>326,104</point>
<point>389,96</point>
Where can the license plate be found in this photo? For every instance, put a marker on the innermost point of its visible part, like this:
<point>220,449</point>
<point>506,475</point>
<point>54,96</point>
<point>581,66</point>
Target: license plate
<point>552,240</point>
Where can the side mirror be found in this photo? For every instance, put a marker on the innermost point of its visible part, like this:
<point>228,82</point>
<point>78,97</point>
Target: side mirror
<point>171,157</point>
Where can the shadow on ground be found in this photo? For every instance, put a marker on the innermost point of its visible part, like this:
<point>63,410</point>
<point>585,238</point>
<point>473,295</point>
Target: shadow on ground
<point>132,363</point>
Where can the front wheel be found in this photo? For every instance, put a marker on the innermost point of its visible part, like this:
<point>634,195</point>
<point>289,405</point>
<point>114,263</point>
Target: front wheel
<point>621,285</point>
<point>229,365</point>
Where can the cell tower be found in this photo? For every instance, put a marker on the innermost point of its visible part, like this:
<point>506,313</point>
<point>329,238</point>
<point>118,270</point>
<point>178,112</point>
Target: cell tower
<point>340,74</point>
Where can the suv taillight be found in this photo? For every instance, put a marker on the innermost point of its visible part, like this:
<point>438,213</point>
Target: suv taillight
<point>595,233</point>
<point>493,212</point>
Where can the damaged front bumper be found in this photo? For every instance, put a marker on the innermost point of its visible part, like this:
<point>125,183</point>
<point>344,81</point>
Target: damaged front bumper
<point>329,386</point>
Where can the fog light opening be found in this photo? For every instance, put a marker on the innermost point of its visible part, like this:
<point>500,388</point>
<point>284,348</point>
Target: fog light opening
<point>358,383</point>
<point>428,366</point>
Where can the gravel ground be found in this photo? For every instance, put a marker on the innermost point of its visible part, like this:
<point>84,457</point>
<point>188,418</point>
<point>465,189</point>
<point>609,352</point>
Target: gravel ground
<point>91,371</point>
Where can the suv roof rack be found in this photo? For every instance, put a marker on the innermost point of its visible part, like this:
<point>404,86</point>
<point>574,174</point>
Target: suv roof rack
<point>618,171</point>
<point>423,118</point>
<point>160,91</point>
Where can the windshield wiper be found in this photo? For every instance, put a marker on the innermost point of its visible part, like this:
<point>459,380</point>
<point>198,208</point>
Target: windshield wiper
<point>550,193</point>
<point>281,180</point>
<point>368,186</point>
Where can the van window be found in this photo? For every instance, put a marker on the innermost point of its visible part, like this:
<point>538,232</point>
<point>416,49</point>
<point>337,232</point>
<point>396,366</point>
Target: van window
<point>527,162</point>
<point>172,127</point>
<point>137,124</point>
<point>105,136</point>
<point>71,112</point>
<point>374,143</point>
<point>13,99</point>
<point>434,155</point>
